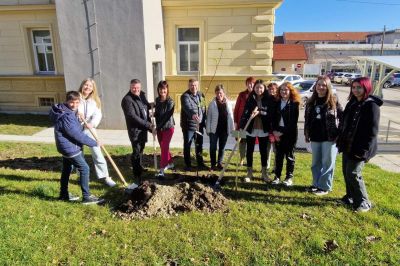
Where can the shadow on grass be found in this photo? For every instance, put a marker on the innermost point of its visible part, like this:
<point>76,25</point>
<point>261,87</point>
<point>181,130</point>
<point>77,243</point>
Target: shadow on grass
<point>25,120</point>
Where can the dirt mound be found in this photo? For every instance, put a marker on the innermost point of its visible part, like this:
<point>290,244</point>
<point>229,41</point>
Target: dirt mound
<point>154,200</point>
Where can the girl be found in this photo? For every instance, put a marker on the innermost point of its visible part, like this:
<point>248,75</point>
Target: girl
<point>259,127</point>
<point>90,110</point>
<point>219,125</point>
<point>322,115</point>
<point>358,140</point>
<point>286,133</point>
<point>273,91</point>
<point>164,111</point>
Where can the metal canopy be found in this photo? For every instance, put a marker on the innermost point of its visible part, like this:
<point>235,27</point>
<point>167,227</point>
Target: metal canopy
<point>382,62</point>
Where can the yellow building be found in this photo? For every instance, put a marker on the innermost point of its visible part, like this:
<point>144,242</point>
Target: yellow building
<point>48,47</point>
<point>218,41</point>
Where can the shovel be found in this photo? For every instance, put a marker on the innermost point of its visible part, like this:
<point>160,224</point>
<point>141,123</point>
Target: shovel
<point>128,188</point>
<point>221,175</point>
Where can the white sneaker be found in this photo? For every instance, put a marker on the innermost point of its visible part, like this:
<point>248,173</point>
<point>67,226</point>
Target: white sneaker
<point>108,181</point>
<point>276,181</point>
<point>288,182</point>
<point>169,166</point>
<point>246,179</point>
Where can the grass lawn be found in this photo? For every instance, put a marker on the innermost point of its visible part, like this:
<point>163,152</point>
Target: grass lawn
<point>23,124</point>
<point>264,225</point>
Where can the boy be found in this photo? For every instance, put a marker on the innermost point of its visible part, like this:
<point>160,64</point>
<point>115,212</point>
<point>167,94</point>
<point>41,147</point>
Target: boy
<point>69,141</point>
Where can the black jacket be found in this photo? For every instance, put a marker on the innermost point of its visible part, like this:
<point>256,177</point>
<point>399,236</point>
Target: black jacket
<point>290,115</point>
<point>268,112</point>
<point>359,130</point>
<point>136,111</point>
<point>190,105</point>
<point>332,120</point>
<point>164,113</point>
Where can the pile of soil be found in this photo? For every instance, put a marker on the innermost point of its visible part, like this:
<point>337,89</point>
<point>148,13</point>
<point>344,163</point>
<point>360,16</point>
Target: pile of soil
<point>155,200</point>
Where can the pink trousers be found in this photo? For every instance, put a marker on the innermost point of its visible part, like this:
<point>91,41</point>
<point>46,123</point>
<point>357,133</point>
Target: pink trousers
<point>164,138</point>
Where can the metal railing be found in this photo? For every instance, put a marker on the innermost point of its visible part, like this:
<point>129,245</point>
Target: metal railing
<point>388,129</point>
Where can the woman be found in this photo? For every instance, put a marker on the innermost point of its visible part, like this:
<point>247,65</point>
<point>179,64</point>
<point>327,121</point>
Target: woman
<point>273,91</point>
<point>260,126</point>
<point>238,112</point>
<point>358,140</point>
<point>286,133</point>
<point>321,128</point>
<point>164,114</point>
<point>219,125</point>
<point>90,110</point>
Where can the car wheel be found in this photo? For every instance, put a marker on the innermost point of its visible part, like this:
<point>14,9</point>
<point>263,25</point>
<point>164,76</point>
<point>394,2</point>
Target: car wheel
<point>386,85</point>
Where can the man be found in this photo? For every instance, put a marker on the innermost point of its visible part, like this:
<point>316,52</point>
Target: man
<point>69,141</point>
<point>193,117</point>
<point>136,111</point>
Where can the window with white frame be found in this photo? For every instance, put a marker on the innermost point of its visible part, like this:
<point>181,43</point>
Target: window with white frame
<point>188,49</point>
<point>43,51</point>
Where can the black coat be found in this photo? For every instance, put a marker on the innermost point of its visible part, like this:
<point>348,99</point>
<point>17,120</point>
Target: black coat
<point>359,130</point>
<point>290,115</point>
<point>191,105</point>
<point>136,111</point>
<point>268,112</point>
<point>164,113</point>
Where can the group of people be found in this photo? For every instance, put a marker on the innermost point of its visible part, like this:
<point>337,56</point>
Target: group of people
<point>266,115</point>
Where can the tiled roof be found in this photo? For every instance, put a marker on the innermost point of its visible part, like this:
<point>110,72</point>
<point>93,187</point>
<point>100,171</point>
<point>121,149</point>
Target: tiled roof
<point>289,52</point>
<point>325,36</point>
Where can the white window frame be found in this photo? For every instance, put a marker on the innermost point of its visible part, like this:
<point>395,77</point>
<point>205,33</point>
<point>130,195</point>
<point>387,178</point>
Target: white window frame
<point>34,45</point>
<point>188,43</point>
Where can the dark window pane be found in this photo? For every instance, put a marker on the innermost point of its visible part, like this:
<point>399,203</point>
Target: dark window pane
<point>50,62</point>
<point>188,34</point>
<point>183,58</point>
<point>41,36</point>
<point>194,57</point>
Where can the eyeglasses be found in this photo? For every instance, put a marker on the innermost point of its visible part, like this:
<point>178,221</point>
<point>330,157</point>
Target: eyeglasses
<point>357,88</point>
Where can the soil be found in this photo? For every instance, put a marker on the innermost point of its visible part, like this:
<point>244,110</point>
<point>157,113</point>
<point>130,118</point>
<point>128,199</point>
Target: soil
<point>155,200</point>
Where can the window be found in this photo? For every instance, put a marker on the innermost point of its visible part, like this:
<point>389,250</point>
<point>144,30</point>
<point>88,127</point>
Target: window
<point>46,101</point>
<point>188,49</point>
<point>43,51</point>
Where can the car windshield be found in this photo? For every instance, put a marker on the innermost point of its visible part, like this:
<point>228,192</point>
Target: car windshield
<point>278,77</point>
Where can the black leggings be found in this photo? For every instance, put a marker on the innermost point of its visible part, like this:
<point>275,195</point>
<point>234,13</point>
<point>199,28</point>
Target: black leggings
<point>284,149</point>
<point>262,141</point>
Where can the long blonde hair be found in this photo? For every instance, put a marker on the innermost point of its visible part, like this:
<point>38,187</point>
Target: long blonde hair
<point>94,95</point>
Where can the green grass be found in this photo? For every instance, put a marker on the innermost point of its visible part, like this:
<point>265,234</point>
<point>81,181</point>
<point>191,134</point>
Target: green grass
<point>263,226</point>
<point>24,124</point>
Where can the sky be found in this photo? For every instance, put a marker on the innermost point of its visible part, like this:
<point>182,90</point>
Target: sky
<point>337,15</point>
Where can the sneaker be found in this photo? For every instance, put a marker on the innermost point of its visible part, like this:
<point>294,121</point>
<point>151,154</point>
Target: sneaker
<point>70,197</point>
<point>219,167</point>
<point>320,192</point>
<point>170,166</point>
<point>160,174</point>
<point>364,207</point>
<point>92,200</point>
<point>265,175</point>
<point>276,181</point>
<point>247,180</point>
<point>346,200</point>
<point>108,181</point>
<point>288,182</point>
<point>312,189</point>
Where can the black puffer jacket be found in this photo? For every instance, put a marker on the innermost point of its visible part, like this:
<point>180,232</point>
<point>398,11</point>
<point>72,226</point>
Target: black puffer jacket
<point>190,105</point>
<point>136,111</point>
<point>164,113</point>
<point>268,112</point>
<point>359,130</point>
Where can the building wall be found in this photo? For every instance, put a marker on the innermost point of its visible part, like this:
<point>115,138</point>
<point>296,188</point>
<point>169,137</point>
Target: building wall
<point>290,66</point>
<point>112,50</point>
<point>20,86</point>
<point>236,40</point>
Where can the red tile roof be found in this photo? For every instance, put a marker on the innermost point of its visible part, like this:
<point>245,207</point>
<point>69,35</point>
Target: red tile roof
<point>289,52</point>
<point>326,36</point>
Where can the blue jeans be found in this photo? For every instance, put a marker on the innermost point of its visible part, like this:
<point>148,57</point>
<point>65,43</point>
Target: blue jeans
<point>355,186</point>
<point>79,163</point>
<point>100,164</point>
<point>221,139</point>
<point>323,164</point>
<point>188,137</point>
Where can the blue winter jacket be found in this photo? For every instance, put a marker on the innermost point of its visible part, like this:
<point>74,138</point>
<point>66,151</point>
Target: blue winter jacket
<point>68,131</point>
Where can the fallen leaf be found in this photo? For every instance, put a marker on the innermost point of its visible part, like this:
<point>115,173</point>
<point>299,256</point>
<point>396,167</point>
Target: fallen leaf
<point>373,238</point>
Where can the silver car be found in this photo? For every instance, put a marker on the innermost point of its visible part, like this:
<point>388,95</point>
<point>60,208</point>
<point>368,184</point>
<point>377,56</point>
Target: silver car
<point>306,88</point>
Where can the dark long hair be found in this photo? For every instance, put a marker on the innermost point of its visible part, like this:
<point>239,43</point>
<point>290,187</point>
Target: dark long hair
<point>366,83</point>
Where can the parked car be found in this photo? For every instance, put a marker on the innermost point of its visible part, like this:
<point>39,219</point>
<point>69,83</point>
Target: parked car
<point>347,78</point>
<point>281,78</point>
<point>338,77</point>
<point>306,88</point>
<point>394,80</point>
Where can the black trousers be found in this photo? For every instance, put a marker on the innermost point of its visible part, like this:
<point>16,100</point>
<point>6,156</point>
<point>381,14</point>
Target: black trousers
<point>136,158</point>
<point>262,144</point>
<point>284,149</point>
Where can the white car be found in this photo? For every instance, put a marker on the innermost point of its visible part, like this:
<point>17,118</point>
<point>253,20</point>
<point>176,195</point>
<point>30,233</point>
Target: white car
<point>281,78</point>
<point>347,78</point>
<point>306,88</point>
<point>338,77</point>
